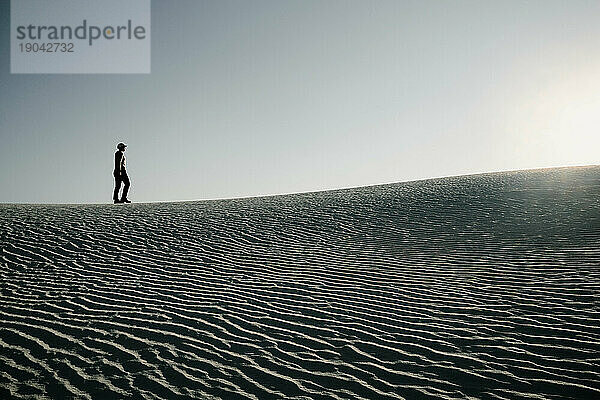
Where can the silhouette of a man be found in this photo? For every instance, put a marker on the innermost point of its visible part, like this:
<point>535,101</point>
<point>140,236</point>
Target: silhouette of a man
<point>120,175</point>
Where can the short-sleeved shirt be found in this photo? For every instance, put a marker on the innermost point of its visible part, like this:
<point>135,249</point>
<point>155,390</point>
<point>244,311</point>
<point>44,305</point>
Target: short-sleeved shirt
<point>119,161</point>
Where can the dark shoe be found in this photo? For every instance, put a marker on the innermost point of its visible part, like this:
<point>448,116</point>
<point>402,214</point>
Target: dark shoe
<point>125,201</point>
<point>116,201</point>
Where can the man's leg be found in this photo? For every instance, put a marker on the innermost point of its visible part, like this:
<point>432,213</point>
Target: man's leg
<point>117,187</point>
<point>125,180</point>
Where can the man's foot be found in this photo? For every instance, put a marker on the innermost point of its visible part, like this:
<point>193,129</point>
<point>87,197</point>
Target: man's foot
<point>116,201</point>
<point>125,201</point>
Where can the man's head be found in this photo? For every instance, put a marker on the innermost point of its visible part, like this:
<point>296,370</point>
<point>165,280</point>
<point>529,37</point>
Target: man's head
<point>121,146</point>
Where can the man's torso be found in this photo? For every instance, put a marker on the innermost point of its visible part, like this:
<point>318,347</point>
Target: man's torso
<point>119,162</point>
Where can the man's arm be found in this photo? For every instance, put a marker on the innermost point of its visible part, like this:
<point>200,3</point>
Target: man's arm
<point>118,156</point>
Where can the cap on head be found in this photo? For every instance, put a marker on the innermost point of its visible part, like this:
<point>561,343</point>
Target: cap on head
<point>121,146</point>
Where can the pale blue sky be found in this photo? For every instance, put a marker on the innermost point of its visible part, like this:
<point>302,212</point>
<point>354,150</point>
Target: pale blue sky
<point>262,97</point>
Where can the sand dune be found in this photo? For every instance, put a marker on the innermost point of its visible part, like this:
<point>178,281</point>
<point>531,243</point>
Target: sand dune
<point>483,286</point>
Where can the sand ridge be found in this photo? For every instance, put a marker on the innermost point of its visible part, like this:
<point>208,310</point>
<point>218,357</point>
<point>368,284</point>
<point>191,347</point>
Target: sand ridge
<point>482,286</point>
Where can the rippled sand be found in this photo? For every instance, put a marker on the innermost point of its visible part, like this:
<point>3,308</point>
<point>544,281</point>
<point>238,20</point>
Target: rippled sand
<point>482,286</point>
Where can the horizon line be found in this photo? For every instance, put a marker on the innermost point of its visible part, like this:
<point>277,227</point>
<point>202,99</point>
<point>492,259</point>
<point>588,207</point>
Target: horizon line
<point>317,190</point>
